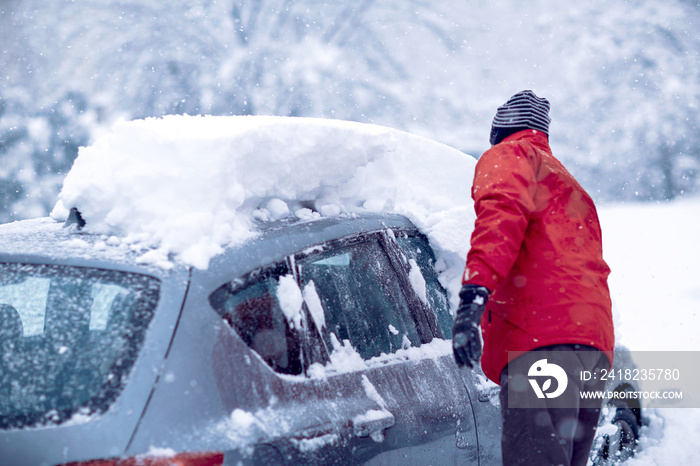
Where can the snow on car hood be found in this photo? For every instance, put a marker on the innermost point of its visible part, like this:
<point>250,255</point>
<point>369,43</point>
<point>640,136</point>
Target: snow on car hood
<point>189,186</point>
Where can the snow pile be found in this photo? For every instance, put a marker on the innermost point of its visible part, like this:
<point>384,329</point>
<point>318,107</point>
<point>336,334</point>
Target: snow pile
<point>188,186</point>
<point>418,281</point>
<point>244,428</point>
<point>361,424</point>
<point>344,358</point>
<point>306,445</point>
<point>654,255</point>
<point>290,299</point>
<point>313,302</point>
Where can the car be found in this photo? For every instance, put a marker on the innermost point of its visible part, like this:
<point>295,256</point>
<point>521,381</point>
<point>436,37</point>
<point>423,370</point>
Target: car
<point>322,339</point>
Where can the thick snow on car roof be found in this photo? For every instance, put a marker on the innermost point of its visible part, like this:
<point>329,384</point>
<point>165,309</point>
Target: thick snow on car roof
<point>188,186</point>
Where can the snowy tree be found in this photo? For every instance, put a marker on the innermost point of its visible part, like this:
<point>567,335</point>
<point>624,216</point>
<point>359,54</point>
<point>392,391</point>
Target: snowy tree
<point>149,58</point>
<point>622,77</point>
<point>37,150</point>
<point>642,95</point>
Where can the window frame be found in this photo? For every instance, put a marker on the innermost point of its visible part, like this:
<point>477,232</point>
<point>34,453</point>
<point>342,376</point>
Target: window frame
<point>423,318</point>
<point>310,339</point>
<point>403,259</point>
<point>300,336</point>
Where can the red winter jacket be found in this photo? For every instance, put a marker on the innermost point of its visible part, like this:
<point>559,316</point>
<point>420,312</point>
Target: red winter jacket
<point>537,246</point>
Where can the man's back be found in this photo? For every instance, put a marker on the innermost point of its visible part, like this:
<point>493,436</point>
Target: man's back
<point>537,245</point>
<point>535,281</point>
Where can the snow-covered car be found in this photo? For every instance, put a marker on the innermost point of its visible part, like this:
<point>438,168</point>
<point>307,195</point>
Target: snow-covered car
<point>314,327</point>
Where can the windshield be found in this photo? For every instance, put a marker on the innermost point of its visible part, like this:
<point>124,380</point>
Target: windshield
<point>68,339</point>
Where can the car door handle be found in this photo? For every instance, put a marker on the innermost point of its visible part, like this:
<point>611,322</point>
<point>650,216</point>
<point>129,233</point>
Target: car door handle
<point>316,432</point>
<point>486,394</point>
<point>316,437</point>
<point>371,422</point>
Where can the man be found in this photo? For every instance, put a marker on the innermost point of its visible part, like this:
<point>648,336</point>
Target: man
<point>536,282</point>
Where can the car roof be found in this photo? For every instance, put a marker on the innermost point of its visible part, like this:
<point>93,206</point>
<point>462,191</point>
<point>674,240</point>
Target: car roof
<point>44,240</point>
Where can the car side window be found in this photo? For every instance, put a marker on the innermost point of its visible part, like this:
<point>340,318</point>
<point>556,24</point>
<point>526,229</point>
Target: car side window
<point>417,249</point>
<point>362,301</point>
<point>253,309</point>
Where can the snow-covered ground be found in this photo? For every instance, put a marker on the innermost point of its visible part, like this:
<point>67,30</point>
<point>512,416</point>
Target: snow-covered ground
<point>654,253</point>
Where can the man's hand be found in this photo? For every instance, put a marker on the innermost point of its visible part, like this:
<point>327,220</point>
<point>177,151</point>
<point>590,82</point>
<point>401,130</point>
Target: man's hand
<point>466,338</point>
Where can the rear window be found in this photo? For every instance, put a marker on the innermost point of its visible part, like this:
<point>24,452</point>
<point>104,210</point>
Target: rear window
<point>68,339</point>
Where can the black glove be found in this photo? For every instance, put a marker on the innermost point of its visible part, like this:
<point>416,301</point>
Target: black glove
<point>466,338</point>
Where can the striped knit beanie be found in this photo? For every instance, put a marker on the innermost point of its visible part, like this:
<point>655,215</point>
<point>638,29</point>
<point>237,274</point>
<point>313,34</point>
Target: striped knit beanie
<point>522,111</point>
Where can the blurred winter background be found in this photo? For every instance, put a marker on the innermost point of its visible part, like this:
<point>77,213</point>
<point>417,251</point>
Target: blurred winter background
<point>623,77</point>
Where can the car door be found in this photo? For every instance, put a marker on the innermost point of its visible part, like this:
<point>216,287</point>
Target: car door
<point>420,263</point>
<point>297,414</point>
<point>342,366</point>
<point>381,342</point>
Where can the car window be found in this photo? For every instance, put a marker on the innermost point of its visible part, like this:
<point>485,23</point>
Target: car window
<point>359,293</point>
<point>258,309</point>
<point>68,339</point>
<point>417,249</point>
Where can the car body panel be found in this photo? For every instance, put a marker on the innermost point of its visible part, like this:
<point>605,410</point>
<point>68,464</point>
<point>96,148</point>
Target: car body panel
<point>110,432</point>
<point>307,410</point>
<point>197,386</point>
<point>86,437</point>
